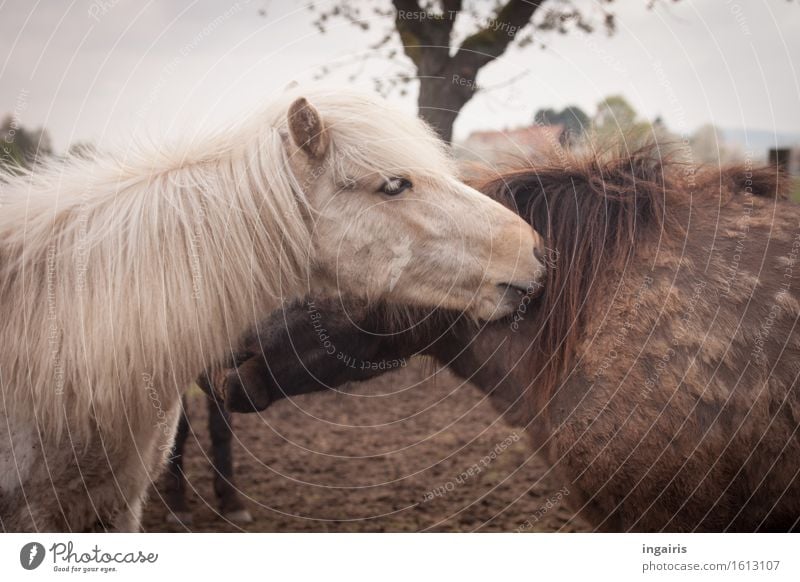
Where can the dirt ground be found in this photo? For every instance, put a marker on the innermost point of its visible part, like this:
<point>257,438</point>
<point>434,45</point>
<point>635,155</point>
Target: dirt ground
<point>404,452</point>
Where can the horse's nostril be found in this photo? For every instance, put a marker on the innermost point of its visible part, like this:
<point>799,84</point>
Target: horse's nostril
<point>539,254</point>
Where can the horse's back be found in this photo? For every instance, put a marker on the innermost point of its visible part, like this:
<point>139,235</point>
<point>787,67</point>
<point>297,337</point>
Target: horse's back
<point>684,410</point>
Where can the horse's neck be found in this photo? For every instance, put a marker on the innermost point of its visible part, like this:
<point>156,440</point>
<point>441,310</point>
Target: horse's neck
<point>496,361</point>
<point>224,267</point>
<point>127,294</point>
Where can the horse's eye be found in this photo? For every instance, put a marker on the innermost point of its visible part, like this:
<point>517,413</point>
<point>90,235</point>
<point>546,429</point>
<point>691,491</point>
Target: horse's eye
<point>396,186</point>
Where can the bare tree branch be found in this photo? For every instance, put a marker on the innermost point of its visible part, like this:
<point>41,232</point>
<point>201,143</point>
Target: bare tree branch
<point>426,29</point>
<point>490,42</point>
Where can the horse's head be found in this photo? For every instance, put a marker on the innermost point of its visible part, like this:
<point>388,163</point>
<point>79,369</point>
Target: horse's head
<point>389,219</point>
<point>318,345</point>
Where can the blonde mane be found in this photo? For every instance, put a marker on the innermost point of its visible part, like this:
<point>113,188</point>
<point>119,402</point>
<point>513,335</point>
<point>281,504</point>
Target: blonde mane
<point>125,275</point>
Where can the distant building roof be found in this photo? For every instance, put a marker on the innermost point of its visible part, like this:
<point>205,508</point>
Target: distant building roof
<point>523,141</point>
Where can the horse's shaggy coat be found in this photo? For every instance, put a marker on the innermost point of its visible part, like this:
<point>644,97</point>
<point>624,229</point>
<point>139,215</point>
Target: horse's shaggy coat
<point>657,371</point>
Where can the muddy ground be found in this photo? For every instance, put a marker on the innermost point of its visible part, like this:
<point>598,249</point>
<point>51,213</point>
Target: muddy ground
<point>403,452</point>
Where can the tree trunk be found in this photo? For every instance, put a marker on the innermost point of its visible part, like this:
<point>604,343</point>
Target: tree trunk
<point>441,98</point>
<point>447,80</point>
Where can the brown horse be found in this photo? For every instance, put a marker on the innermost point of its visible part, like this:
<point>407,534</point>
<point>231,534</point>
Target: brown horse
<point>656,372</point>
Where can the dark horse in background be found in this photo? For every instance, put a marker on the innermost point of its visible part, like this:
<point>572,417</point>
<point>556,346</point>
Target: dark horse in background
<point>657,371</point>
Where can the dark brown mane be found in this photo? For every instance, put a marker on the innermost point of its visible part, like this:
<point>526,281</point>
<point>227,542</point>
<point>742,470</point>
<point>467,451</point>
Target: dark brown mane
<point>594,212</point>
<point>761,181</point>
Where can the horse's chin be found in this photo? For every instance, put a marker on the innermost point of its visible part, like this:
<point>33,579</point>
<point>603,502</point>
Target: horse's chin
<point>490,309</point>
<point>504,301</point>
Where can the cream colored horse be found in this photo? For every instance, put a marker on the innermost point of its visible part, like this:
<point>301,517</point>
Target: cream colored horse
<point>118,273</point>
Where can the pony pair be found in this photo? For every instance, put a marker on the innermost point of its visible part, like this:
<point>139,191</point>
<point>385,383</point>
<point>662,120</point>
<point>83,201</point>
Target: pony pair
<point>656,372</point>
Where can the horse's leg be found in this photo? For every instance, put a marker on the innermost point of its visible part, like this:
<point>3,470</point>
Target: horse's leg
<point>130,519</point>
<point>221,429</point>
<point>175,490</point>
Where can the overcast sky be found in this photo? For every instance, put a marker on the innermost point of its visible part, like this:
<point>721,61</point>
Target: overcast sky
<point>100,70</point>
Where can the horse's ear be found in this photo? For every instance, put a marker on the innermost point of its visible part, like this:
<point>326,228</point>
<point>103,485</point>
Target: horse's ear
<point>306,128</point>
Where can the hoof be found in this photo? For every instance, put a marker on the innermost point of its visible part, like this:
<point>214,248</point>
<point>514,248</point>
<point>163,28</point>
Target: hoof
<point>238,516</point>
<point>179,518</point>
